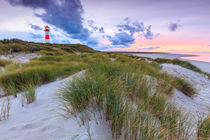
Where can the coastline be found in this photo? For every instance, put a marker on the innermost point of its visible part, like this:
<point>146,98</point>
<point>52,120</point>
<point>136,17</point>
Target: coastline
<point>204,66</point>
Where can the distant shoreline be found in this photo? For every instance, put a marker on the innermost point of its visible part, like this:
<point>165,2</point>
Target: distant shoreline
<point>203,65</point>
<point>176,55</point>
<point>182,55</point>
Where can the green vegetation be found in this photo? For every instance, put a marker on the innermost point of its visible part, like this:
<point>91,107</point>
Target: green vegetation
<point>5,109</point>
<point>16,45</point>
<point>3,63</point>
<point>29,95</point>
<point>48,68</point>
<point>204,129</point>
<point>126,98</point>
<point>129,92</point>
<point>35,76</point>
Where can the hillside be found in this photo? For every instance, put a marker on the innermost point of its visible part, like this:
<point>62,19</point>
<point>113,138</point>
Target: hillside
<point>17,46</point>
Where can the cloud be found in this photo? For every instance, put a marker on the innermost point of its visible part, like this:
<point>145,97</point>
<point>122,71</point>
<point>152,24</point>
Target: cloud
<point>66,41</point>
<point>150,48</point>
<point>35,27</point>
<point>101,30</point>
<point>92,26</point>
<point>63,14</point>
<point>127,31</point>
<point>131,27</point>
<point>148,34</point>
<point>92,42</point>
<point>173,26</point>
<point>121,38</point>
<point>209,45</point>
<point>36,36</point>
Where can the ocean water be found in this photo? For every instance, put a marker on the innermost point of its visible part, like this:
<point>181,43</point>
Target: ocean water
<point>198,56</point>
<point>201,59</point>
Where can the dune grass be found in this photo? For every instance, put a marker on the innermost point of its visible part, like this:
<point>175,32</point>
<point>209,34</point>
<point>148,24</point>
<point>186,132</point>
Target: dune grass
<point>15,45</point>
<point>179,83</point>
<point>3,62</point>
<point>204,129</point>
<point>127,100</point>
<point>29,95</point>
<point>5,109</point>
<point>47,68</point>
<point>20,79</point>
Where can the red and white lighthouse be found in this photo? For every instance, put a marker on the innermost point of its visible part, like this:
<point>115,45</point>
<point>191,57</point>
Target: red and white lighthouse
<point>47,34</point>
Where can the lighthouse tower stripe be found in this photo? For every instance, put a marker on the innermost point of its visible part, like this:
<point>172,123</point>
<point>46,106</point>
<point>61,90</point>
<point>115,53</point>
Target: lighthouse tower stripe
<point>47,37</point>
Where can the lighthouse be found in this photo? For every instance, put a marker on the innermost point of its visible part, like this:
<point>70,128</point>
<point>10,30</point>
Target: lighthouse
<point>47,35</point>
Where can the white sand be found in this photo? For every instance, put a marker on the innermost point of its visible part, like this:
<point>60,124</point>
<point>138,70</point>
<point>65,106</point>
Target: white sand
<point>20,57</point>
<point>40,120</point>
<point>199,105</point>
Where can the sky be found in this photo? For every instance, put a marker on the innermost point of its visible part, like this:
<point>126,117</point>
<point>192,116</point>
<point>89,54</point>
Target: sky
<point>111,25</point>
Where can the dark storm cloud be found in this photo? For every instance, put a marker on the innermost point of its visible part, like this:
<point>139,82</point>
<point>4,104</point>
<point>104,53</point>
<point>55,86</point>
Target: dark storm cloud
<point>64,14</point>
<point>125,37</point>
<point>35,27</point>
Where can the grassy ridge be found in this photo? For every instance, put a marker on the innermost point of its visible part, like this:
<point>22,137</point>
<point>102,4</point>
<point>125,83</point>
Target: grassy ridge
<point>16,45</point>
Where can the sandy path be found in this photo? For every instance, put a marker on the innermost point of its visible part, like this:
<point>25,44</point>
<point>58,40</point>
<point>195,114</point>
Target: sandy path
<point>39,120</point>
